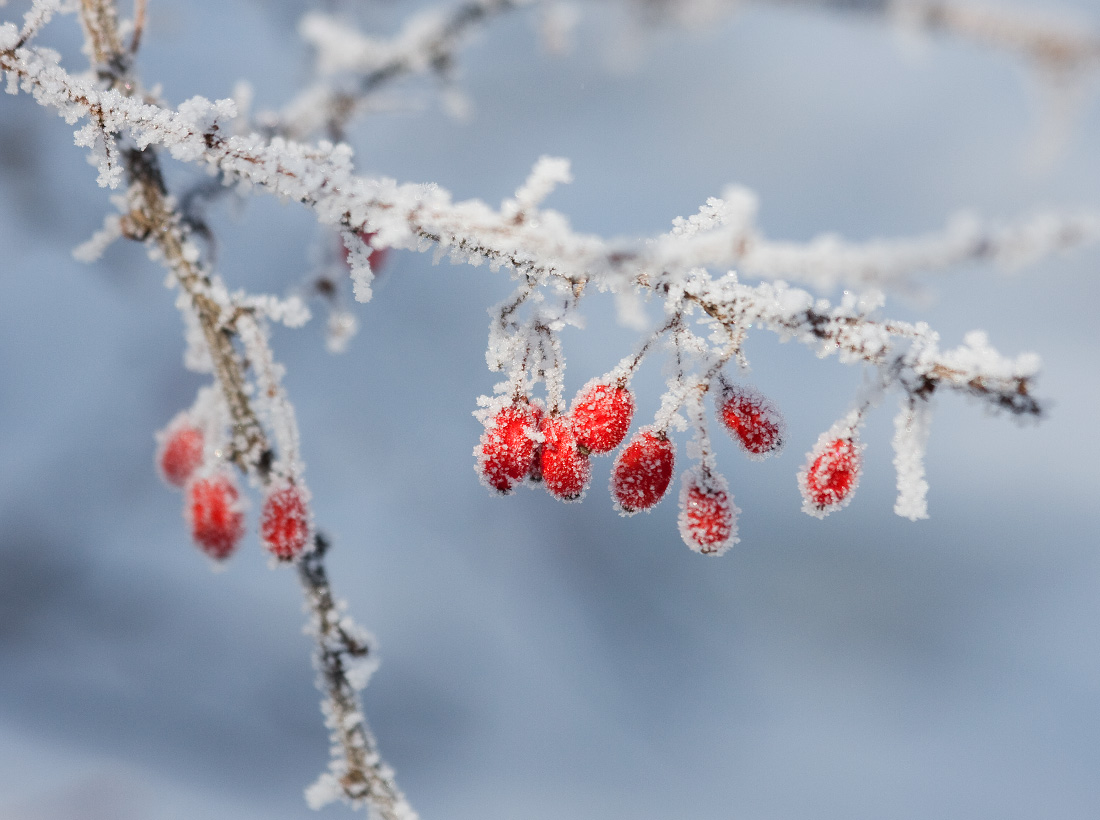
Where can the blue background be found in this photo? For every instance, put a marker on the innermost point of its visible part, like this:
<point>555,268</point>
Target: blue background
<point>543,660</point>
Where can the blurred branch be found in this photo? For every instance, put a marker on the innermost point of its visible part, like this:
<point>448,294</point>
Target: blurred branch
<point>358,66</point>
<point>152,218</point>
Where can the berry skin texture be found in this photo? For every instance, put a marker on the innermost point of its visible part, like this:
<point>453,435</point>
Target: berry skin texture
<point>832,474</point>
<point>566,470</point>
<point>506,453</point>
<point>752,420</point>
<point>284,523</point>
<point>601,416</point>
<point>708,516</point>
<point>214,512</point>
<point>180,453</point>
<point>642,472</point>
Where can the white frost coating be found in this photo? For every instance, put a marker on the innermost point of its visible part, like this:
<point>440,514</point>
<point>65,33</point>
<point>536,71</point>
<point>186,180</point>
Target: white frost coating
<point>326,789</point>
<point>9,37</point>
<point>708,516</point>
<point>548,173</point>
<point>291,312</point>
<point>346,56</point>
<point>90,250</point>
<point>359,264</point>
<point>830,475</point>
<point>272,405</point>
<point>911,428</point>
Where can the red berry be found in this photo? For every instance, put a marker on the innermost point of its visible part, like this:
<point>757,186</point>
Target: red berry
<point>707,514</point>
<point>601,416</point>
<point>377,255</point>
<point>180,453</point>
<point>642,471</point>
<point>284,523</point>
<point>565,469</point>
<point>506,451</point>
<point>534,472</point>
<point>752,420</point>
<point>214,511</point>
<point>827,484</point>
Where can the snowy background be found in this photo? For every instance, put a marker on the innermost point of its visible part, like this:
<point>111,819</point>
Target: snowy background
<point>542,660</point>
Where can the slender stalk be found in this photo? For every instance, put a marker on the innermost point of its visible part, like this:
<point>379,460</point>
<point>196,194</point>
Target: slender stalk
<point>362,775</point>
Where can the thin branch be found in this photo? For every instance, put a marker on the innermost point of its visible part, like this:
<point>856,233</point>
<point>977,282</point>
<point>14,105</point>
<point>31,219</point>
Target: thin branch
<point>364,777</point>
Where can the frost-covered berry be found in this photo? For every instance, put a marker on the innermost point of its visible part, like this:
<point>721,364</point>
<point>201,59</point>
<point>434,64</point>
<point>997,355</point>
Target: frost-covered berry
<point>506,451</point>
<point>601,416</point>
<point>831,475</point>
<point>752,420</point>
<point>642,471</point>
<point>215,515</point>
<point>180,452</point>
<point>284,522</point>
<point>566,471</point>
<point>708,517</point>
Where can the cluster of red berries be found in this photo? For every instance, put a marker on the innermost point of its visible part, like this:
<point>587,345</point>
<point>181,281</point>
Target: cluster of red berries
<point>213,506</point>
<point>524,443</point>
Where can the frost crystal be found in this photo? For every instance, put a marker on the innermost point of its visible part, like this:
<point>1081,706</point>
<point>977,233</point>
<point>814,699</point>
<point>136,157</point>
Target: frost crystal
<point>911,428</point>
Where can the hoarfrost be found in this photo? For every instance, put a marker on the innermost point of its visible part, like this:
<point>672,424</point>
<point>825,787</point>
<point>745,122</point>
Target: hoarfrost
<point>911,428</point>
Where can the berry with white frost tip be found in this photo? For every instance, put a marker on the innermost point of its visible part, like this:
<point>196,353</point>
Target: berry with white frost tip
<point>180,452</point>
<point>506,451</point>
<point>284,522</point>
<point>601,415</point>
<point>643,471</point>
<point>215,514</point>
<point>831,474</point>
<point>565,470</point>
<point>752,420</point>
<point>708,517</point>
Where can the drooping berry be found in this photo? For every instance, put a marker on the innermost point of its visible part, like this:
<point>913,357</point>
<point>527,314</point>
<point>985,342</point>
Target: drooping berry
<point>831,475</point>
<point>753,421</point>
<point>180,452</point>
<point>506,450</point>
<point>601,415</point>
<point>642,471</point>
<point>708,516</point>
<point>566,471</point>
<point>284,522</point>
<point>214,512</point>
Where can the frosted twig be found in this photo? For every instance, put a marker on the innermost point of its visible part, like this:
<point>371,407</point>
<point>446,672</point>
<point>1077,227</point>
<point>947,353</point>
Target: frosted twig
<point>363,776</point>
<point>472,232</point>
<point>426,43</point>
<point>343,660</point>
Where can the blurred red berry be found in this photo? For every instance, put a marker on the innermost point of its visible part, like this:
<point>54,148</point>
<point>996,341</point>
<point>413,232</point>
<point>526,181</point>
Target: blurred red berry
<point>284,523</point>
<point>601,416</point>
<point>214,512</point>
<point>506,451</point>
<point>180,453</point>
<point>752,420</point>
<point>642,471</point>
<point>707,514</point>
<point>827,484</point>
<point>565,469</point>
